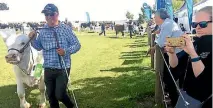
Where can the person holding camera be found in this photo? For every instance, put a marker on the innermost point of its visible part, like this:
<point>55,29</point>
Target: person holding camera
<point>197,61</point>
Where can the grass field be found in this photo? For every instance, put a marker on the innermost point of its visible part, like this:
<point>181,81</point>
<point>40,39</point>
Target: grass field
<point>107,72</point>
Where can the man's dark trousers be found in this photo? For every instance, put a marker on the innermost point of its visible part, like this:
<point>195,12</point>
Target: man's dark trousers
<point>102,31</point>
<point>56,84</point>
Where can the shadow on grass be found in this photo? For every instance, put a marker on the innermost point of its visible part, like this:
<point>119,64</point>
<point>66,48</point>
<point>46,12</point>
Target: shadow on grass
<point>128,69</point>
<point>9,97</point>
<point>134,88</point>
<point>115,37</point>
<point>124,91</point>
<point>124,37</point>
<point>135,46</point>
<point>134,55</point>
<point>127,62</point>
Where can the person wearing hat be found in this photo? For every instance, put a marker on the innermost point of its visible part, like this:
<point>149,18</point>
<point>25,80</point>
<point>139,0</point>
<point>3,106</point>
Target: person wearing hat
<point>56,34</point>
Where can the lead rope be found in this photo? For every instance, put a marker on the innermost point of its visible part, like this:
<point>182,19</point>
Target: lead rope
<point>62,60</point>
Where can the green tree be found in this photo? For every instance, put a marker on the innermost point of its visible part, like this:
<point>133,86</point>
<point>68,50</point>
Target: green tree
<point>178,3</point>
<point>129,15</point>
<point>153,9</point>
<point>141,19</point>
<point>142,16</point>
<point>3,6</point>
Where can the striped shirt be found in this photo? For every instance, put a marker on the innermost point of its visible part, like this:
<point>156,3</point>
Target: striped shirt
<point>46,42</point>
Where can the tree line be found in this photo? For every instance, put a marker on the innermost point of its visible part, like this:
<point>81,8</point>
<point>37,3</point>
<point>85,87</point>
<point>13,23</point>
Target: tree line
<point>141,19</point>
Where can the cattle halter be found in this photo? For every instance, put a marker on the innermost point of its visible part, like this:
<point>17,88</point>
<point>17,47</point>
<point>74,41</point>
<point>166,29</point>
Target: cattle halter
<point>22,49</point>
<point>29,72</point>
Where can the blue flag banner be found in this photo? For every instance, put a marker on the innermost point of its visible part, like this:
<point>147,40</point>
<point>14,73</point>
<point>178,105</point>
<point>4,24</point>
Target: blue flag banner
<point>189,4</point>
<point>169,8</point>
<point>88,17</point>
<point>148,11</point>
<point>160,4</point>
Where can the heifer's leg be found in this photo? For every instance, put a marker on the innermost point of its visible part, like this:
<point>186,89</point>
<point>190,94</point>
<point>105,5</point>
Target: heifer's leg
<point>20,88</point>
<point>116,32</point>
<point>123,33</point>
<point>42,90</point>
<point>21,94</point>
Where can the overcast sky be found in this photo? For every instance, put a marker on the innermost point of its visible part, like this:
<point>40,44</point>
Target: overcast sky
<point>30,10</point>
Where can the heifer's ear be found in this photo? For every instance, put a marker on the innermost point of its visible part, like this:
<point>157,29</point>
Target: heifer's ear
<point>6,33</point>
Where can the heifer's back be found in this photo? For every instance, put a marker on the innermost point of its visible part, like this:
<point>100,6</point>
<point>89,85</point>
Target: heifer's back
<point>119,28</point>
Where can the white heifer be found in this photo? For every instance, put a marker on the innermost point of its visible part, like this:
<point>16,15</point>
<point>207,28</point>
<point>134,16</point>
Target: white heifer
<point>23,63</point>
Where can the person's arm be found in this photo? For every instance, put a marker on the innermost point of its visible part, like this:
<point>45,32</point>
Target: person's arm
<point>166,31</point>
<point>173,60</point>
<point>198,66</point>
<point>156,32</point>
<point>73,41</point>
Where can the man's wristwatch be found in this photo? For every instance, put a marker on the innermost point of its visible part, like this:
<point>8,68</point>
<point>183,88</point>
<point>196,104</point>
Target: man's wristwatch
<point>195,59</point>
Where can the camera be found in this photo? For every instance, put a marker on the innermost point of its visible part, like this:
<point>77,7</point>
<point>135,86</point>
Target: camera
<point>176,41</point>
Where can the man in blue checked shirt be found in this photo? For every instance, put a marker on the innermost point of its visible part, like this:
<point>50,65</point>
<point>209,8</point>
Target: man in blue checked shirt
<point>55,77</point>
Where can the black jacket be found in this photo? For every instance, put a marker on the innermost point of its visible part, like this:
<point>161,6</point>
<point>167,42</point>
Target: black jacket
<point>199,87</point>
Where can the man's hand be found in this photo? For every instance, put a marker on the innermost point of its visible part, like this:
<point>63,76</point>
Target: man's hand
<point>60,51</point>
<point>151,51</point>
<point>156,32</point>
<point>169,49</point>
<point>32,34</point>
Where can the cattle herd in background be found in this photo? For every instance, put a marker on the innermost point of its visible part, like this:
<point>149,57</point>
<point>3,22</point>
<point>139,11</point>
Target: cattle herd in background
<point>18,26</point>
<point>79,26</point>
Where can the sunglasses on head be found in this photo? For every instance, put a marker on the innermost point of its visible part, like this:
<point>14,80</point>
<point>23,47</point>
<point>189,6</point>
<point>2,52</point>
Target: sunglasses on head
<point>202,24</point>
<point>49,14</point>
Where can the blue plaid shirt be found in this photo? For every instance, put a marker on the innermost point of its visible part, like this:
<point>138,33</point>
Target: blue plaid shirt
<point>46,42</point>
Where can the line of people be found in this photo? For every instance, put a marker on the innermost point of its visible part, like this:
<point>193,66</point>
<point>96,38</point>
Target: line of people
<point>194,74</point>
<point>191,65</point>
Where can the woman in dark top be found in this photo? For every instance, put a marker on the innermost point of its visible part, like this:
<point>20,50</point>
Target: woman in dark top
<point>197,80</point>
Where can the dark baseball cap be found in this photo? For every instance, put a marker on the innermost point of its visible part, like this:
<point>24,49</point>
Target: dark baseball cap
<point>49,8</point>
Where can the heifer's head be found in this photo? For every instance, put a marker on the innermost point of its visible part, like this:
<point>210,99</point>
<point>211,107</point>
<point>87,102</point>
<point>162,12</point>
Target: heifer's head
<point>16,45</point>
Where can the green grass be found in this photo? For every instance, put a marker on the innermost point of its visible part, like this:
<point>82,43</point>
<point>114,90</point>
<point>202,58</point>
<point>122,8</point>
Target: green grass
<point>107,72</point>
